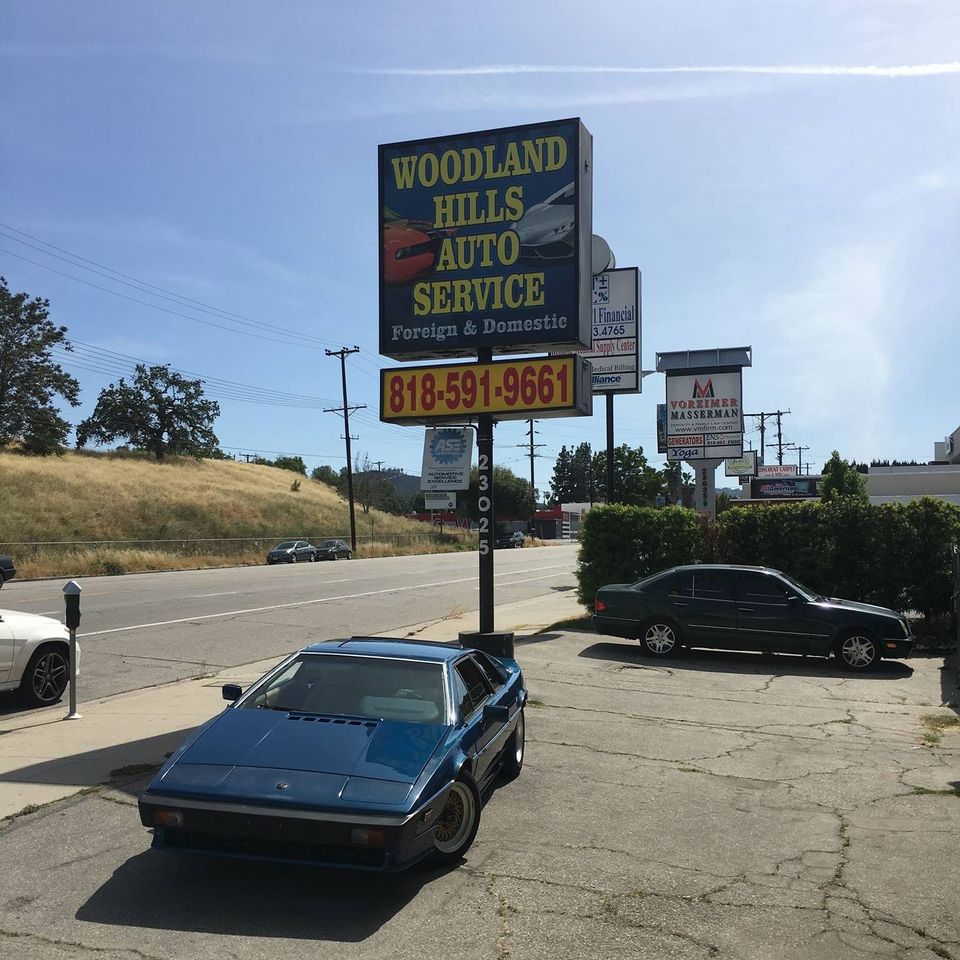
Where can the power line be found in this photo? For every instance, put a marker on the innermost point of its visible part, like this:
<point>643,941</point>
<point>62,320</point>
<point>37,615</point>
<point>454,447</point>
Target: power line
<point>117,276</point>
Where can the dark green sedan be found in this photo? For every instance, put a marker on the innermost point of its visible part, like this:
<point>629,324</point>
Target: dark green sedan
<point>747,608</point>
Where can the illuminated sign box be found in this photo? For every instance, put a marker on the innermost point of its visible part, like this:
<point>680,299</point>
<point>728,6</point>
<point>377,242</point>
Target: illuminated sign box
<point>485,242</point>
<point>507,389</point>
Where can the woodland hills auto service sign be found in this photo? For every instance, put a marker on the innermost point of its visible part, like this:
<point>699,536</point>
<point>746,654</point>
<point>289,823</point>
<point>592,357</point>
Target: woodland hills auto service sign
<point>704,415</point>
<point>485,242</point>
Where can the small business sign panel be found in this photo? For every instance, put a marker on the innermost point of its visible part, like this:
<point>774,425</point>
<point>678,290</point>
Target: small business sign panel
<point>785,488</point>
<point>508,389</point>
<point>745,466</point>
<point>446,459</point>
<point>770,470</point>
<point>704,415</point>
<point>485,242</point>
<point>661,428</point>
<point>435,500</point>
<point>616,331</point>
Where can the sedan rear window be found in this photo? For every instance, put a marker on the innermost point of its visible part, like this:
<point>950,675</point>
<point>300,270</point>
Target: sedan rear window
<point>375,687</point>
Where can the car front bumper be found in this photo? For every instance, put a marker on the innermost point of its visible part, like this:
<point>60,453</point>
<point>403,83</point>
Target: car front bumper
<point>897,648</point>
<point>282,558</point>
<point>252,832</point>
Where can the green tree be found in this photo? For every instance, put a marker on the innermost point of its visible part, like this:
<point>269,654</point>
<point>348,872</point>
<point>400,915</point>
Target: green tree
<point>841,479</point>
<point>295,464</point>
<point>158,410</point>
<point>512,497</point>
<point>30,379</point>
<point>635,482</point>
<point>573,476</point>
<point>325,474</point>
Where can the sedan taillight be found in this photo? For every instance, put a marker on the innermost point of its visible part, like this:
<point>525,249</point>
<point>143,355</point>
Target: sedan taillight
<point>599,606</point>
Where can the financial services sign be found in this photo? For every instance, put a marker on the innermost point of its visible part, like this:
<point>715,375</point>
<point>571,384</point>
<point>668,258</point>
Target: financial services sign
<point>704,415</point>
<point>615,357</point>
<point>485,242</point>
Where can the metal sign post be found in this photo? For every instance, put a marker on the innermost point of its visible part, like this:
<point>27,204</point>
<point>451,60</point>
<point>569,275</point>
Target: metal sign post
<point>71,596</point>
<point>485,508</point>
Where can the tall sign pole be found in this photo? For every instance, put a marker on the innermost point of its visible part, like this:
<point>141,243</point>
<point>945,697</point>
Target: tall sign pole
<point>486,509</point>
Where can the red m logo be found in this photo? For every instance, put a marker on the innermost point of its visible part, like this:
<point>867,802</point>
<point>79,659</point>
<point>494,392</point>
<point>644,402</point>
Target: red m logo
<point>703,390</point>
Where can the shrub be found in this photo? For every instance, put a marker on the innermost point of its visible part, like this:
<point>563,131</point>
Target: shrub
<point>621,544</point>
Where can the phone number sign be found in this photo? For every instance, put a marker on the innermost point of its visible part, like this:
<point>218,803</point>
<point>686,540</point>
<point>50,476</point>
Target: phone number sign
<point>507,389</point>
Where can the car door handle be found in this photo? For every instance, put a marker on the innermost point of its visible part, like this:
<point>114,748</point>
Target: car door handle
<point>745,609</point>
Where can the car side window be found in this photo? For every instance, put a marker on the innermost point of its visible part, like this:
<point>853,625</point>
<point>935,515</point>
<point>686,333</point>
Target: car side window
<point>713,585</point>
<point>680,586</point>
<point>760,588</point>
<point>475,690</point>
<point>490,670</point>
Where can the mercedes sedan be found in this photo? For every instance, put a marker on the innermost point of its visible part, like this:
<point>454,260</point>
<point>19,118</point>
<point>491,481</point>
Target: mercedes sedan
<point>748,608</point>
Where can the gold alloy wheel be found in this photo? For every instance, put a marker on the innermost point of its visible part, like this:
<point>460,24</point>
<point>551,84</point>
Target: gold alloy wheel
<point>456,819</point>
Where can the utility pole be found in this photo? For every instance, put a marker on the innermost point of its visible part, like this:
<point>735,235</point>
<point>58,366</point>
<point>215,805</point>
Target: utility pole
<point>763,418</point>
<point>763,427</point>
<point>343,353</point>
<point>800,450</point>
<point>533,447</point>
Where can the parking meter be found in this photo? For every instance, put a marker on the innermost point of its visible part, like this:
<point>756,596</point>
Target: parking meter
<point>71,597</point>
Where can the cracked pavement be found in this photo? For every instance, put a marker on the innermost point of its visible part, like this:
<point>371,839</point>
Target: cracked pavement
<point>718,805</point>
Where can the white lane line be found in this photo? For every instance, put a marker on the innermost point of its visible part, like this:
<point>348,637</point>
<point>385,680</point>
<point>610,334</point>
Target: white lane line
<point>298,603</point>
<point>201,596</point>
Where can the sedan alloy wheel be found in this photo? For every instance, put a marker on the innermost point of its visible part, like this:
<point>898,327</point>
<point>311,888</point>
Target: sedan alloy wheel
<point>46,677</point>
<point>458,821</point>
<point>858,652</point>
<point>660,639</point>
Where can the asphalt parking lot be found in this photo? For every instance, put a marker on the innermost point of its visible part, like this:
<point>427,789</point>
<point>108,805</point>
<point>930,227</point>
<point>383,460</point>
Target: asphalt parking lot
<point>719,805</point>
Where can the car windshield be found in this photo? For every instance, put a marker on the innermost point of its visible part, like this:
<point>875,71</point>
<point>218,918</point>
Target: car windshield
<point>286,545</point>
<point>355,686</point>
<point>803,591</point>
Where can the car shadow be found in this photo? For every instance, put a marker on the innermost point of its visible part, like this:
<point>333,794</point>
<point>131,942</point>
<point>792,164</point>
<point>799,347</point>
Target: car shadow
<point>729,661</point>
<point>244,898</point>
<point>248,898</point>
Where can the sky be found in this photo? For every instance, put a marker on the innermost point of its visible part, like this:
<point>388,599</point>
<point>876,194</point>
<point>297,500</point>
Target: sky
<point>195,184</point>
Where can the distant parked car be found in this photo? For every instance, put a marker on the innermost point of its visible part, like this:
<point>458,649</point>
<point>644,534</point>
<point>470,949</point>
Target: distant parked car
<point>748,608</point>
<point>334,550</point>
<point>34,657</point>
<point>7,572</point>
<point>292,551</point>
<point>514,539</point>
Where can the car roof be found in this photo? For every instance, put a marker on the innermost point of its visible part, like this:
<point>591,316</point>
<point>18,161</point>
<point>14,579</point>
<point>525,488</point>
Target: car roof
<point>724,566</point>
<point>389,647</point>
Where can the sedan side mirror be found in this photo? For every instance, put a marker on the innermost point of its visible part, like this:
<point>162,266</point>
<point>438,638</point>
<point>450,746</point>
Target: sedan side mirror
<point>496,714</point>
<point>232,691</point>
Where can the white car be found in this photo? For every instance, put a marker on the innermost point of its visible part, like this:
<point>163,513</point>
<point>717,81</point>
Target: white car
<point>34,657</point>
<point>546,229</point>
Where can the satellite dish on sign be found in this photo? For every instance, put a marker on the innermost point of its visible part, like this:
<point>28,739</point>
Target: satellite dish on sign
<point>601,255</point>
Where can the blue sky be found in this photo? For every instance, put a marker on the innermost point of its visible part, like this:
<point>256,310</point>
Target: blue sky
<point>785,175</point>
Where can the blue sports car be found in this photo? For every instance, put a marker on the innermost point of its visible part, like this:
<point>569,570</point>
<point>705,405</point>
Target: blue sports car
<point>366,753</point>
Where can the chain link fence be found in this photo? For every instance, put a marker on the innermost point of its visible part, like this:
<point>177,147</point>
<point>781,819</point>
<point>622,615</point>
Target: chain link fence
<point>221,546</point>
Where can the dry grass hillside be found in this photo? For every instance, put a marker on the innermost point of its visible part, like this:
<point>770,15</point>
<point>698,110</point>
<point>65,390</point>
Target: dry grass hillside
<point>102,497</point>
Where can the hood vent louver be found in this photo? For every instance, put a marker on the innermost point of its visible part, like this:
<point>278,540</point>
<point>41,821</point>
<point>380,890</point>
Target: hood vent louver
<point>338,721</point>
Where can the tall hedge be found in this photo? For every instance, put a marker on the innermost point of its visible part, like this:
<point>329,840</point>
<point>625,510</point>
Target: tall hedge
<point>895,555</point>
<point>620,544</point>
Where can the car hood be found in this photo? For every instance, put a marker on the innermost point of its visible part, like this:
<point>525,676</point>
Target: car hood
<point>341,747</point>
<point>29,626</point>
<point>543,223</point>
<point>837,604</point>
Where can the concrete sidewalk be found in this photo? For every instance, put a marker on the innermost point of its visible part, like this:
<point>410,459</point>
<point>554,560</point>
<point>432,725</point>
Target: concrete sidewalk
<point>44,758</point>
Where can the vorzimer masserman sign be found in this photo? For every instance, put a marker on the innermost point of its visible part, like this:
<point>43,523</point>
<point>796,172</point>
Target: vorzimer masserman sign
<point>485,242</point>
<point>704,415</point>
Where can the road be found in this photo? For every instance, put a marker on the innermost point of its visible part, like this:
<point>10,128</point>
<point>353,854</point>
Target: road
<point>719,805</point>
<point>154,628</point>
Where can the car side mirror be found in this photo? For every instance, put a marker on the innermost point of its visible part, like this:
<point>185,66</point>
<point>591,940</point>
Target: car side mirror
<point>496,714</point>
<point>232,691</point>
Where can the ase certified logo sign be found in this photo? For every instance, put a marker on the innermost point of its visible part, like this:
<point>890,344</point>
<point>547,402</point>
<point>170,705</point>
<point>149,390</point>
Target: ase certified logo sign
<point>448,446</point>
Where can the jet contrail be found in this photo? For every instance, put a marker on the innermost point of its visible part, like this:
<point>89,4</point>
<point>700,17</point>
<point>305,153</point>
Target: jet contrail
<point>813,70</point>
